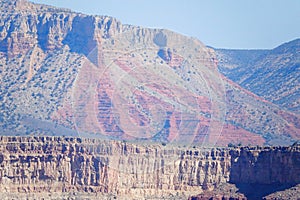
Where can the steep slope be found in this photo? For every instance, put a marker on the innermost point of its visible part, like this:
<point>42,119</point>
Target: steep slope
<point>271,74</point>
<point>66,73</point>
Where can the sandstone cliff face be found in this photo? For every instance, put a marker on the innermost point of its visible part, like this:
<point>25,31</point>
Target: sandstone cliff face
<point>46,164</point>
<point>39,165</point>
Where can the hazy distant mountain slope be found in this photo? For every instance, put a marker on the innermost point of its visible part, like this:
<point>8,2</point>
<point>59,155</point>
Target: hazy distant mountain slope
<point>66,73</point>
<point>273,75</point>
<point>236,64</point>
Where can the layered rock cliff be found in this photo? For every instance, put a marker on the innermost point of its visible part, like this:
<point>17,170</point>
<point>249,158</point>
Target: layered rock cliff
<point>268,165</point>
<point>36,165</point>
<point>260,173</point>
<point>40,166</point>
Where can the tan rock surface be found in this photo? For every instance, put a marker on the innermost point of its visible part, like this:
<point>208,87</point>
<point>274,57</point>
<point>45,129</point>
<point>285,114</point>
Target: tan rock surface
<point>49,166</point>
<point>38,165</point>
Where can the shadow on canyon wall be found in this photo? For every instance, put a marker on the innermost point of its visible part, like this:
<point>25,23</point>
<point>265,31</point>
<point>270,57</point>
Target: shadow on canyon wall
<point>259,191</point>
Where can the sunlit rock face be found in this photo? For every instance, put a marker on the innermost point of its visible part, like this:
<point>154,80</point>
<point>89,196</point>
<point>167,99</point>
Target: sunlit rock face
<point>40,165</point>
<point>36,167</point>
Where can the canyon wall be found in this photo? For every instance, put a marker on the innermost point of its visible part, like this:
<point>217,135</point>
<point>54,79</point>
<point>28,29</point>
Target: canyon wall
<point>49,165</point>
<point>55,164</point>
<point>268,165</point>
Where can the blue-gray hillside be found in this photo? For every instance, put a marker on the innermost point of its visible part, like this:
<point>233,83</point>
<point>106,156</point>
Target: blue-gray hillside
<point>272,74</point>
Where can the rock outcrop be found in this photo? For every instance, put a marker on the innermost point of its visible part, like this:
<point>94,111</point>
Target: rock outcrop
<point>40,166</point>
<point>25,25</point>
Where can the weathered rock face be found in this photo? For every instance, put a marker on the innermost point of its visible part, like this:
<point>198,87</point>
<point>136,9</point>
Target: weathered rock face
<point>269,165</point>
<point>48,164</point>
<point>260,173</point>
<point>25,25</point>
<point>38,165</point>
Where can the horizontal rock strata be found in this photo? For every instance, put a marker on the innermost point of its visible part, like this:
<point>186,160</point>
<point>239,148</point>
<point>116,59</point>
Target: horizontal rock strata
<point>35,165</point>
<point>57,164</point>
